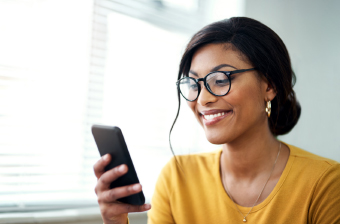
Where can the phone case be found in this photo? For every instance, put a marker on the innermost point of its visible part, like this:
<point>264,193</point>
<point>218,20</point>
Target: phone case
<point>110,140</point>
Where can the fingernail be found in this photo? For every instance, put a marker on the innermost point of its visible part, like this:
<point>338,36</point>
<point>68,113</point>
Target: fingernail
<point>147,206</point>
<point>121,168</point>
<point>106,157</point>
<point>136,187</point>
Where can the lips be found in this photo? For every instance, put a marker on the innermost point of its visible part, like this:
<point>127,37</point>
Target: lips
<point>211,117</point>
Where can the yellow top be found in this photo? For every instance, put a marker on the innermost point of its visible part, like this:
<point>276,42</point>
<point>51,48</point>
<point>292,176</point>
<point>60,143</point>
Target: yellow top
<point>308,192</point>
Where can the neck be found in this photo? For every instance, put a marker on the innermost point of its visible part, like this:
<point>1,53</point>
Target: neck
<point>246,158</point>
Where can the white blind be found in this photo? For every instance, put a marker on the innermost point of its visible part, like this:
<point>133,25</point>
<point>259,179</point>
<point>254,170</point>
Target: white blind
<point>122,30</point>
<point>67,64</point>
<point>43,87</point>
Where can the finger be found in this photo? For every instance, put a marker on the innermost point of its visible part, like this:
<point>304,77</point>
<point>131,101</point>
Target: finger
<point>99,166</point>
<point>109,176</point>
<point>119,192</point>
<point>136,208</point>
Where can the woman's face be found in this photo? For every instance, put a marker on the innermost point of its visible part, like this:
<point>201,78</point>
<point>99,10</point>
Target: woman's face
<point>243,107</point>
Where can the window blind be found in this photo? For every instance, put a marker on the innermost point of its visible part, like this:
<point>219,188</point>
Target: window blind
<point>62,68</point>
<point>143,45</point>
<point>43,86</point>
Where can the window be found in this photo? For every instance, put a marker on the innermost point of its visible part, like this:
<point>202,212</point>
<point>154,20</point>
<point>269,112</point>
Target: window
<point>43,87</point>
<point>140,94</point>
<point>65,65</point>
<point>138,76</point>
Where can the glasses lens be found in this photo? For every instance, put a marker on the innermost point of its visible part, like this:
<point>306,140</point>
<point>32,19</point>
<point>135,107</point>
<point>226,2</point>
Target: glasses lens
<point>218,83</point>
<point>188,88</point>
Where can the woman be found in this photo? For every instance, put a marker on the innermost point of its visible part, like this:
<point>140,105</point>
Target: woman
<point>237,78</point>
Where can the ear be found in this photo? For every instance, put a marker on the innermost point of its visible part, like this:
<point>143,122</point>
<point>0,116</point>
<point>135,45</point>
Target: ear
<point>268,90</point>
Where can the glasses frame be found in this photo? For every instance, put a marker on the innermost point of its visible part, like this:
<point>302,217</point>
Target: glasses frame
<point>227,73</point>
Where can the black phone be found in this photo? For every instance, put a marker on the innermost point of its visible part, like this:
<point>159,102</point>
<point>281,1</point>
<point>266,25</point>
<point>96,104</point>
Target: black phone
<point>110,140</point>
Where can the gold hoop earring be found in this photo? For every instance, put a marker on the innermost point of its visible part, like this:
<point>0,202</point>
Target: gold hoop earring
<point>269,108</point>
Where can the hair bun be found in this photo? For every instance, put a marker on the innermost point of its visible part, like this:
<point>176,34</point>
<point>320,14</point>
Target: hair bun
<point>286,117</point>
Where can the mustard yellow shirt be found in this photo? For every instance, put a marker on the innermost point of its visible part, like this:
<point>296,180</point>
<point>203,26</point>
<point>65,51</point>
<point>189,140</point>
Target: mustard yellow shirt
<point>308,191</point>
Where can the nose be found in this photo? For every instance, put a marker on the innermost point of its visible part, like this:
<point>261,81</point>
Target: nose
<point>206,97</point>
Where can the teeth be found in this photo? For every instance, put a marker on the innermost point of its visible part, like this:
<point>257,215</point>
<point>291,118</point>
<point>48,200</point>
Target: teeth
<point>211,116</point>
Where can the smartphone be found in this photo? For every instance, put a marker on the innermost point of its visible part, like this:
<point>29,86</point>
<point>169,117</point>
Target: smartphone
<point>110,140</point>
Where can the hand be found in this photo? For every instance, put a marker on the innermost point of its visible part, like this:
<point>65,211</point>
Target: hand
<point>113,211</point>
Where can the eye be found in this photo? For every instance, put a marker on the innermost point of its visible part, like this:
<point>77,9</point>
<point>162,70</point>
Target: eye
<point>218,79</point>
<point>193,87</point>
<point>222,82</point>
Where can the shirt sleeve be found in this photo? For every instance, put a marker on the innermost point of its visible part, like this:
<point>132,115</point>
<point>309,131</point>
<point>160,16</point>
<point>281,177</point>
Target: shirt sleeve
<point>325,205</point>
<point>161,208</point>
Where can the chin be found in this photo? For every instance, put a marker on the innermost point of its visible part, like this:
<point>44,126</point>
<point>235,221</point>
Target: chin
<point>216,139</point>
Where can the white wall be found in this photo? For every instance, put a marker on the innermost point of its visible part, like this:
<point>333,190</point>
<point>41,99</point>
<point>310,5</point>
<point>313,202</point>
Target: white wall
<point>311,32</point>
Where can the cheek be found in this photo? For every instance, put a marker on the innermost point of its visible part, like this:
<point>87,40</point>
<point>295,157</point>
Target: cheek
<point>253,110</point>
<point>248,103</point>
<point>192,106</point>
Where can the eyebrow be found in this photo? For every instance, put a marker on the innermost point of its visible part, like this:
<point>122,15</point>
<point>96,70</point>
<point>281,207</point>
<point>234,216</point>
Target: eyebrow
<point>216,68</point>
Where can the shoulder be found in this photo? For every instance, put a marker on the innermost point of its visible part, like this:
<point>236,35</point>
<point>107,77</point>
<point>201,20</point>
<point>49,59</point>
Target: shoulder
<point>191,168</point>
<point>192,162</point>
<point>305,160</point>
<point>313,169</point>
<point>319,179</point>
<point>185,171</point>
<point>308,156</point>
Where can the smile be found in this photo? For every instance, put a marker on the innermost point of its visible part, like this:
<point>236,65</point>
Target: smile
<point>214,116</point>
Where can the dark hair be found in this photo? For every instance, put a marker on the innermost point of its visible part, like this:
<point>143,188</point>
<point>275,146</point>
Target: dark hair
<point>267,53</point>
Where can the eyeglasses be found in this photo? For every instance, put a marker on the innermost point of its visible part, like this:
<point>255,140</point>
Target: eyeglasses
<point>217,83</point>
